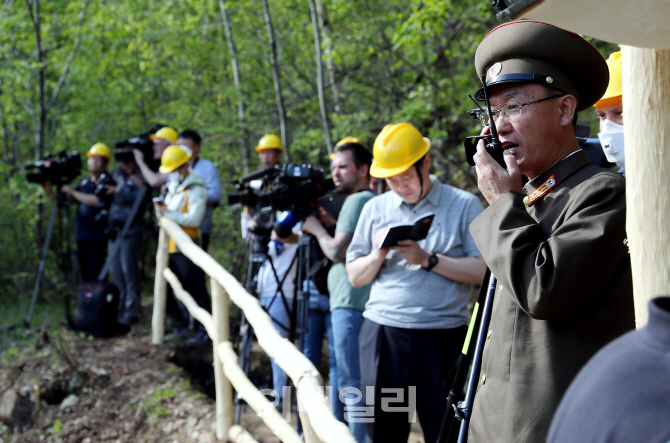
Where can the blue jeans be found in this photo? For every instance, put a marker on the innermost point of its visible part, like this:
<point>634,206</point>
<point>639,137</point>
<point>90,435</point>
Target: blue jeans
<point>282,321</point>
<point>346,324</point>
<point>319,322</point>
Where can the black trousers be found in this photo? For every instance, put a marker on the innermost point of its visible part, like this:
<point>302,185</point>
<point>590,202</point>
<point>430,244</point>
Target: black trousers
<point>91,255</point>
<point>192,278</point>
<point>204,241</point>
<point>415,362</point>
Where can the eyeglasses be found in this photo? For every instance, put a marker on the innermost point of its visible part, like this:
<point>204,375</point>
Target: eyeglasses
<point>510,110</point>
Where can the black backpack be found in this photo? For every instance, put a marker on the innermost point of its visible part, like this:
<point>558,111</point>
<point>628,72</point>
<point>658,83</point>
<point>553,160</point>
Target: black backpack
<point>96,309</point>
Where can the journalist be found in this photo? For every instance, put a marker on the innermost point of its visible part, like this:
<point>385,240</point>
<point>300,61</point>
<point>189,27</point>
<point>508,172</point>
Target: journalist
<point>163,138</point>
<point>185,204</point>
<point>124,266</point>
<point>351,175</point>
<point>415,320</point>
<point>610,113</point>
<point>92,198</point>
<point>275,281</point>
<point>209,174</point>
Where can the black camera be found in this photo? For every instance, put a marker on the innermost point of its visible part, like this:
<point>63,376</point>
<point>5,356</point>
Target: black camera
<point>141,142</point>
<point>58,169</point>
<point>295,188</point>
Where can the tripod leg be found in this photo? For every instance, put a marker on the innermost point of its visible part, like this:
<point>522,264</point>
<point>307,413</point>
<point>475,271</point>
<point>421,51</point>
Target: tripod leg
<point>466,409</point>
<point>463,367</point>
<point>43,262</point>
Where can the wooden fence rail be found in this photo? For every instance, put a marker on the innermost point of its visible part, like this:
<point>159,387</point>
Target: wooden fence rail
<point>319,423</point>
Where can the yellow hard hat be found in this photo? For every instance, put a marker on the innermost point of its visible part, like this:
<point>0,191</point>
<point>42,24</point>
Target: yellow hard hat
<point>397,148</point>
<point>99,149</point>
<point>343,141</point>
<point>348,140</point>
<point>614,89</point>
<point>269,141</point>
<point>173,157</point>
<point>166,133</point>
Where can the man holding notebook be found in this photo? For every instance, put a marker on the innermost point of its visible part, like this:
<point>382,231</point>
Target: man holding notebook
<point>415,320</point>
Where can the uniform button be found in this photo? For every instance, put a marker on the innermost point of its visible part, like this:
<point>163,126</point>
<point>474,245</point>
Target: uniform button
<point>484,379</point>
<point>489,334</point>
<point>500,288</point>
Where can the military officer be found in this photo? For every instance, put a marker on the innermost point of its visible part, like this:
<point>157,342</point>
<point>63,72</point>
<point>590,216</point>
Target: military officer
<point>556,244</point>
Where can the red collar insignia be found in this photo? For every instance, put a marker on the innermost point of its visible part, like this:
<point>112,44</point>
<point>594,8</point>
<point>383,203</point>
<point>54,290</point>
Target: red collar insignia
<point>541,191</point>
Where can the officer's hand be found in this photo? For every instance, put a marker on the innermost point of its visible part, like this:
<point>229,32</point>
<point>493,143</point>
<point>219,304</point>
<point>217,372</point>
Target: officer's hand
<point>492,179</point>
<point>311,225</point>
<point>66,189</point>
<point>412,252</point>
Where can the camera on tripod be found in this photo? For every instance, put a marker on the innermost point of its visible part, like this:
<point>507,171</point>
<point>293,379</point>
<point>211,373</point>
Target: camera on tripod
<point>295,188</point>
<point>58,169</point>
<point>141,142</point>
<point>101,192</point>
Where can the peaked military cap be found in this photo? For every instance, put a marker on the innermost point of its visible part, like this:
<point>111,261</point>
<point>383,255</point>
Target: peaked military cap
<point>534,52</point>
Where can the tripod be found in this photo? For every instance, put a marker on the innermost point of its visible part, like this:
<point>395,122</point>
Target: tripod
<point>61,205</point>
<point>469,366</point>
<point>258,254</point>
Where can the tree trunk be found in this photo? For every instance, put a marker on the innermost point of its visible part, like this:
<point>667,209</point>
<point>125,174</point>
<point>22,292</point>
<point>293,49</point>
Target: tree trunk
<point>325,34</point>
<point>238,88</point>
<point>39,111</point>
<point>319,77</point>
<point>275,75</point>
<point>646,92</point>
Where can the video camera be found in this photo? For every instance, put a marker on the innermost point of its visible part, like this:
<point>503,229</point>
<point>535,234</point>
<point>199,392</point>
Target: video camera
<point>58,169</point>
<point>295,188</point>
<point>143,143</point>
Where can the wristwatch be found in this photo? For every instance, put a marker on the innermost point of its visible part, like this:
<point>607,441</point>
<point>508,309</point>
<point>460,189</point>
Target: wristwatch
<point>432,261</point>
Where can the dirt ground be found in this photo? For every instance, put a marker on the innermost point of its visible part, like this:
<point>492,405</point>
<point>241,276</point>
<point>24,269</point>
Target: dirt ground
<point>116,390</point>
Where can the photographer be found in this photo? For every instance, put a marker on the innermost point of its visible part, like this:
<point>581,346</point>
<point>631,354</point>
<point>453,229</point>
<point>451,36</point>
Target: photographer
<point>92,198</point>
<point>124,267</point>
<point>275,281</point>
<point>163,138</point>
<point>185,204</point>
<point>209,174</point>
<point>351,175</point>
<point>415,319</point>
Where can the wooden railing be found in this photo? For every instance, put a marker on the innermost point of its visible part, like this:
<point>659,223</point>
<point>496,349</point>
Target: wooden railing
<point>318,422</point>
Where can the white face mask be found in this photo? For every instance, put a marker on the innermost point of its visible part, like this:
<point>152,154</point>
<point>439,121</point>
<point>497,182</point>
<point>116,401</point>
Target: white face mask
<point>174,175</point>
<point>611,139</point>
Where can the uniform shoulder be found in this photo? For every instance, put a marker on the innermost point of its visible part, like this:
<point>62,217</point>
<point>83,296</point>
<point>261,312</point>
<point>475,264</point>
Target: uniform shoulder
<point>595,176</point>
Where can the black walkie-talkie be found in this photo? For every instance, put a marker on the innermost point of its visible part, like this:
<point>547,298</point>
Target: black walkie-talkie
<point>493,144</point>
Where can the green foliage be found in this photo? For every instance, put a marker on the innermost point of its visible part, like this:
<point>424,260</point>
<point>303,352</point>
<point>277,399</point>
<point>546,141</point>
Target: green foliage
<point>142,61</point>
<point>59,428</point>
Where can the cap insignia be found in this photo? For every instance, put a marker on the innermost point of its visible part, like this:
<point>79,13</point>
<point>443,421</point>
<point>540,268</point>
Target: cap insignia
<point>495,69</point>
<point>541,191</point>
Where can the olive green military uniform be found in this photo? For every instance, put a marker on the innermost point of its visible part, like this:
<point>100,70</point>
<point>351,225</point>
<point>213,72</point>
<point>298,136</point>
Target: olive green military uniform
<point>564,291</point>
<point>564,277</point>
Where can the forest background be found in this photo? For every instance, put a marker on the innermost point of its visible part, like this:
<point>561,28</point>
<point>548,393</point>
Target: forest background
<point>73,73</point>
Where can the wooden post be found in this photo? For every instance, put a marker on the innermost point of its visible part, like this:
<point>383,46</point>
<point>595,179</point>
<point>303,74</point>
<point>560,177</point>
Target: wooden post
<point>224,391</point>
<point>646,106</point>
<point>160,290</point>
<point>308,432</point>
